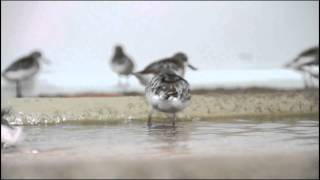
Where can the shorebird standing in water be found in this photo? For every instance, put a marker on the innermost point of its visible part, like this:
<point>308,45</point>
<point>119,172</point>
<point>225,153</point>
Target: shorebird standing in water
<point>307,62</point>
<point>9,135</point>
<point>167,92</point>
<point>23,69</point>
<point>121,64</point>
<point>177,63</point>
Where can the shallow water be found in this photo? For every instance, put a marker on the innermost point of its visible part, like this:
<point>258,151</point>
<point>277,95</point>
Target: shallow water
<point>135,139</point>
<point>196,136</point>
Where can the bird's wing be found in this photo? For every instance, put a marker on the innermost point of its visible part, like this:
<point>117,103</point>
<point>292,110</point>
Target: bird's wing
<point>306,58</point>
<point>155,66</point>
<point>310,52</point>
<point>21,63</point>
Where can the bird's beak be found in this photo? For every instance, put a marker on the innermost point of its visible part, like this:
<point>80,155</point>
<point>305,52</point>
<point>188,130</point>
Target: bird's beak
<point>192,67</point>
<point>46,61</point>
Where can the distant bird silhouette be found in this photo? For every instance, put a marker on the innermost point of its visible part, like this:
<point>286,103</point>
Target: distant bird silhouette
<point>121,64</point>
<point>307,62</point>
<point>23,69</point>
<point>177,63</point>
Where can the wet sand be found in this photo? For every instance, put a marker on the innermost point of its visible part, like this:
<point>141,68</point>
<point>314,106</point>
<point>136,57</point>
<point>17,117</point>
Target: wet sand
<point>236,165</point>
<point>210,104</point>
<point>222,134</point>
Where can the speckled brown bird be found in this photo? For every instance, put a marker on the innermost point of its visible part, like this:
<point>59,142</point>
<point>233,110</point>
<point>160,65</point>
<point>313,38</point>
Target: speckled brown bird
<point>167,92</point>
<point>177,63</point>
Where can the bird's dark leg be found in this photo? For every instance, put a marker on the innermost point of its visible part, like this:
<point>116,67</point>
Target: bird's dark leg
<point>18,89</point>
<point>305,80</point>
<point>174,117</point>
<point>119,80</point>
<point>127,81</point>
<point>149,118</point>
<point>312,85</point>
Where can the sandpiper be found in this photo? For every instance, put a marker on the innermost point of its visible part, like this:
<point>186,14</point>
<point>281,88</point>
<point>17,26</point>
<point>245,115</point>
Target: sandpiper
<point>121,63</point>
<point>9,135</point>
<point>177,63</point>
<point>23,69</point>
<point>167,92</point>
<point>308,63</point>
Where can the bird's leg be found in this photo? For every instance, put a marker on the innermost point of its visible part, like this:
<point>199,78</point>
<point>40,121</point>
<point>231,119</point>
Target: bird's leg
<point>119,80</point>
<point>125,84</point>
<point>18,89</point>
<point>306,83</point>
<point>127,81</point>
<point>149,117</point>
<point>311,81</point>
<point>174,117</point>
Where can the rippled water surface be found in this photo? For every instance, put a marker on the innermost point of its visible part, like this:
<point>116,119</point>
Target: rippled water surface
<point>186,137</point>
<point>234,148</point>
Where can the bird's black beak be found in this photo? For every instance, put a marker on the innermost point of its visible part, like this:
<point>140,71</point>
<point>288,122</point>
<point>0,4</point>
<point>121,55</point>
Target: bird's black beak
<point>192,67</point>
<point>46,61</point>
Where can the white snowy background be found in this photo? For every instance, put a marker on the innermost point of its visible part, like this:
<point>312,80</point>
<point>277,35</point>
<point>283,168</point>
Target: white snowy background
<point>234,44</point>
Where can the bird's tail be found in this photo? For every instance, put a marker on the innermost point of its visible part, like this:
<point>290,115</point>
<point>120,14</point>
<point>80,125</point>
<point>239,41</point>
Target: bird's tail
<point>137,75</point>
<point>292,64</point>
<point>140,77</point>
<point>289,64</point>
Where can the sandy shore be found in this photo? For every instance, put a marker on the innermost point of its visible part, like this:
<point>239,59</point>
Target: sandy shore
<point>212,162</point>
<point>207,104</point>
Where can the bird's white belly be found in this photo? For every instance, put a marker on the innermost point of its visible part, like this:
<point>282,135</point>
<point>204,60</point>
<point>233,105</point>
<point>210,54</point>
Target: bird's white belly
<point>10,136</point>
<point>311,69</point>
<point>21,73</point>
<point>170,105</point>
<point>120,68</point>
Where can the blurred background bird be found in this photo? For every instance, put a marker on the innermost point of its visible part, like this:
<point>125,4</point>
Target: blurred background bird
<point>121,64</point>
<point>177,63</point>
<point>307,62</point>
<point>23,69</point>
